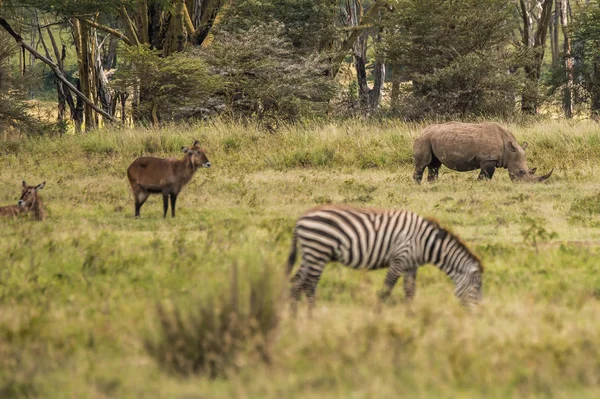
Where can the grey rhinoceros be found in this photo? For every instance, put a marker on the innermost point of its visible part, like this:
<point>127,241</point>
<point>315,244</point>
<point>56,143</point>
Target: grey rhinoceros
<point>470,146</point>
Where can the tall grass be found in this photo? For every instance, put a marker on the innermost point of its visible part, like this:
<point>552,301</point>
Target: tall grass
<point>79,291</point>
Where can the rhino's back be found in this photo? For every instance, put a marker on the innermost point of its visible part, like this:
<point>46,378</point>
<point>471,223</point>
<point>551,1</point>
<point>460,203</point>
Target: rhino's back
<point>463,146</point>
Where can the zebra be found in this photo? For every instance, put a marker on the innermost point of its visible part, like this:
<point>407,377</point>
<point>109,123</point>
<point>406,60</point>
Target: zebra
<point>364,238</point>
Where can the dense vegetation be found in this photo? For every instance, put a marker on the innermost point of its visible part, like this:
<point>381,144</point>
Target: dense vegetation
<point>80,290</point>
<point>287,61</point>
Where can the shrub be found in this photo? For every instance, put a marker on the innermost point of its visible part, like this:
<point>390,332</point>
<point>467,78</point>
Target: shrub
<point>211,336</point>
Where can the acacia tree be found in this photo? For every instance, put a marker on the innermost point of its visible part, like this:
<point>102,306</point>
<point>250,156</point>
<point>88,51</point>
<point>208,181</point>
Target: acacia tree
<point>455,54</point>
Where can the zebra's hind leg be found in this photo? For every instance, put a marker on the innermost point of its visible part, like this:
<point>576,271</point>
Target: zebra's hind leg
<point>296,291</point>
<point>310,285</point>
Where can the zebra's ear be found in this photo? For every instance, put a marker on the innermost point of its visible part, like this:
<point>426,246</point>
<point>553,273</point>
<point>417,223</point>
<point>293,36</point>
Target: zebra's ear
<point>442,233</point>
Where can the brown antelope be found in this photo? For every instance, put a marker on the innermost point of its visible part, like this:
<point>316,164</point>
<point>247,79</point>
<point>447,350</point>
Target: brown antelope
<point>150,175</point>
<point>30,202</point>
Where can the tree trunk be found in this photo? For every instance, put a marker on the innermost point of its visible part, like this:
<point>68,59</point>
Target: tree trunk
<point>595,103</point>
<point>378,80</point>
<point>568,90</point>
<point>535,41</point>
<point>103,92</point>
<point>85,61</point>
<point>368,99</point>
<point>395,95</point>
<point>554,28</point>
<point>176,33</point>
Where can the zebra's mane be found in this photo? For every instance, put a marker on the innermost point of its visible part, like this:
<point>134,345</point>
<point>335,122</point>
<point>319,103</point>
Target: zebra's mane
<point>444,231</point>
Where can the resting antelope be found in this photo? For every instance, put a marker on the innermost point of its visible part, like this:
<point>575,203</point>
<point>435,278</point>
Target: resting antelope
<point>30,201</point>
<point>150,175</point>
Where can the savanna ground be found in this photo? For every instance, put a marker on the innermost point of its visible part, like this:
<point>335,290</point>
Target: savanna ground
<point>79,291</point>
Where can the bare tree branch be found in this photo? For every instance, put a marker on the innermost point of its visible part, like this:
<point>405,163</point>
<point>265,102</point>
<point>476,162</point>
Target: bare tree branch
<point>108,29</point>
<point>54,68</point>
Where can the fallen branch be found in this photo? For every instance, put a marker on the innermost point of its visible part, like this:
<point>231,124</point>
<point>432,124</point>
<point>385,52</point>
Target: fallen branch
<point>54,68</point>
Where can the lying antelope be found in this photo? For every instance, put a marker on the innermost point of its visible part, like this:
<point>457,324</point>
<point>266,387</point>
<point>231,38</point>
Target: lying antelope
<point>30,201</point>
<point>149,175</point>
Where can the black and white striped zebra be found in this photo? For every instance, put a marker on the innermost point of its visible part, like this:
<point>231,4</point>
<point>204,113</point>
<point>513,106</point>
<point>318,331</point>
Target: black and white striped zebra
<point>373,239</point>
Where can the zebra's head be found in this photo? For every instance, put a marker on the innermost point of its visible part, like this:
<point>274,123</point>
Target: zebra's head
<point>469,288</point>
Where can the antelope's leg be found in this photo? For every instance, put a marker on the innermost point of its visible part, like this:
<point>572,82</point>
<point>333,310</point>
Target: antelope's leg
<point>173,201</point>
<point>140,197</point>
<point>165,204</point>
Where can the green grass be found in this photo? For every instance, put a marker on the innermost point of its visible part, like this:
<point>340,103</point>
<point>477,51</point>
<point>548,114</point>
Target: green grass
<point>79,291</point>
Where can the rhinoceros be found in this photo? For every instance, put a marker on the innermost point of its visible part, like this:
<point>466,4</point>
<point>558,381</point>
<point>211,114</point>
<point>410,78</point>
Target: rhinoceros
<point>470,146</point>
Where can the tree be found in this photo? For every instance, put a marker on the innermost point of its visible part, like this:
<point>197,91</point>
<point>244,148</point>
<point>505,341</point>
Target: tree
<point>535,16</point>
<point>264,78</point>
<point>179,83</point>
<point>578,77</point>
<point>455,54</point>
<point>13,108</point>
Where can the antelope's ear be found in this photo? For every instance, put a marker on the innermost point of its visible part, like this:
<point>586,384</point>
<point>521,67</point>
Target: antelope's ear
<point>24,184</point>
<point>196,142</point>
<point>185,150</point>
<point>524,145</point>
<point>40,186</point>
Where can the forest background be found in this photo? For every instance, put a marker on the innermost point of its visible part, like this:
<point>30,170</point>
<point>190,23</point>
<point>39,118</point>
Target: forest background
<point>298,103</point>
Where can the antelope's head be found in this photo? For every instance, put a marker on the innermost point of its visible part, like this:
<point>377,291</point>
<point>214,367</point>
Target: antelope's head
<point>29,194</point>
<point>197,155</point>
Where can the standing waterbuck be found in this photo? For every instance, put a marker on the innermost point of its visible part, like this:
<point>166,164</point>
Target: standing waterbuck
<point>150,175</point>
<point>30,201</point>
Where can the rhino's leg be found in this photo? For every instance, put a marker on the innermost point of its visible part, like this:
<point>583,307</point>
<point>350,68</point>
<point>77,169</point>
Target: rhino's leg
<point>487,170</point>
<point>418,175</point>
<point>423,156</point>
<point>433,169</point>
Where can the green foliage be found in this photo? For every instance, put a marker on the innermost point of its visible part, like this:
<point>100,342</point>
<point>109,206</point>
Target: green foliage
<point>585,51</point>
<point>263,78</point>
<point>308,25</point>
<point>455,54</point>
<point>172,86</point>
<point>208,337</point>
<point>534,231</point>
<point>13,108</point>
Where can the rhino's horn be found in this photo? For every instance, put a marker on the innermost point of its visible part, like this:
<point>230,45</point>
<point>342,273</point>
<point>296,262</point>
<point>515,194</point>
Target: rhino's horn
<point>547,175</point>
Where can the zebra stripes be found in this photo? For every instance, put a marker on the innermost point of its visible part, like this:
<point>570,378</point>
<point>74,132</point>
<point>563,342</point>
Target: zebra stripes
<point>372,239</point>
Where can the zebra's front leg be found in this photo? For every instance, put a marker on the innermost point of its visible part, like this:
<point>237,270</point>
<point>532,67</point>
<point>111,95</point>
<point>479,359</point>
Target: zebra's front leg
<point>391,278</point>
<point>410,284</point>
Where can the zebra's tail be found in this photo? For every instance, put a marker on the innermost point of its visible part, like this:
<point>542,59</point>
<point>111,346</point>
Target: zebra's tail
<point>292,255</point>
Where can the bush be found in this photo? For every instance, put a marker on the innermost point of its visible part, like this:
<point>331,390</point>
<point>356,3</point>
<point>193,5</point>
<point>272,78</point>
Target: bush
<point>211,337</point>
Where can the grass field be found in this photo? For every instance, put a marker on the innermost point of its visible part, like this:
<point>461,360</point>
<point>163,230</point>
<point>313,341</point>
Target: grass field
<point>79,291</point>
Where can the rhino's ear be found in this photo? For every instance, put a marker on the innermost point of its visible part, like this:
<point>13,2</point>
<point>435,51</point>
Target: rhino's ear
<point>512,146</point>
<point>524,145</point>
